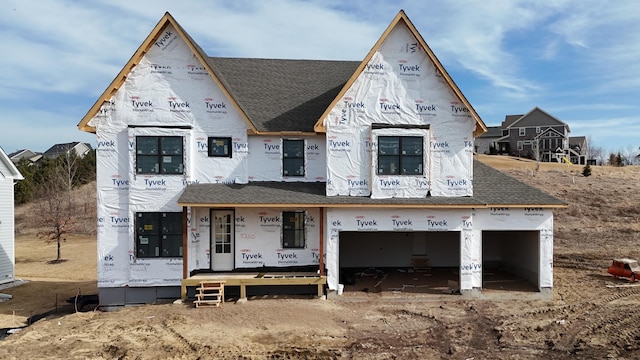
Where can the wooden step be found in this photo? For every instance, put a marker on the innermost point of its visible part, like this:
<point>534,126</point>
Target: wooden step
<point>205,295</point>
<point>210,293</point>
<point>205,303</point>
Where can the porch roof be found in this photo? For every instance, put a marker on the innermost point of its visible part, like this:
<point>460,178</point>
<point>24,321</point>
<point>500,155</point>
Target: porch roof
<point>491,188</point>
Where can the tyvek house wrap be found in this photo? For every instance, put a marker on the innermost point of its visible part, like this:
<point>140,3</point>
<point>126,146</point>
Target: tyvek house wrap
<point>400,85</point>
<point>258,239</point>
<point>168,93</point>
<point>470,223</point>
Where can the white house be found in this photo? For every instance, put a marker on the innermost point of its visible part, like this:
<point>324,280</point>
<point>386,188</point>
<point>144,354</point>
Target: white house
<point>210,165</point>
<point>9,174</point>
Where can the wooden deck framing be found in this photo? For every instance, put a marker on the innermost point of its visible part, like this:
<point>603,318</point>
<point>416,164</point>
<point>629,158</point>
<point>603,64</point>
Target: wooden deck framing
<point>256,279</point>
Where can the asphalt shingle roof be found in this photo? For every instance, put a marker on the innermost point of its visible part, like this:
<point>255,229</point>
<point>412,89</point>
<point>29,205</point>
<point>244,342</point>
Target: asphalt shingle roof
<point>492,131</point>
<point>283,95</point>
<point>490,187</point>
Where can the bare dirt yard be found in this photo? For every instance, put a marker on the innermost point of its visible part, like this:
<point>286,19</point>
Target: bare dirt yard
<point>591,315</point>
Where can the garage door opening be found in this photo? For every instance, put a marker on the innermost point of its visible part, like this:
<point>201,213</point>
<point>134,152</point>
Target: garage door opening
<point>511,260</point>
<point>412,262</point>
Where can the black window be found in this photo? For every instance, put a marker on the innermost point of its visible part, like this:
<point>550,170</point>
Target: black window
<point>158,234</point>
<point>159,155</point>
<point>219,146</point>
<point>400,155</point>
<point>293,158</point>
<point>293,235</point>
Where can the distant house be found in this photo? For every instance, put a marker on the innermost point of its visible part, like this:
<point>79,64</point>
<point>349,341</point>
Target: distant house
<point>485,143</point>
<point>8,175</point>
<point>536,135</point>
<point>16,156</point>
<point>80,148</point>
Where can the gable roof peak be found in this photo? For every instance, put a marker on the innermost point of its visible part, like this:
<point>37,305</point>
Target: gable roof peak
<point>402,17</point>
<point>151,39</point>
<point>538,110</point>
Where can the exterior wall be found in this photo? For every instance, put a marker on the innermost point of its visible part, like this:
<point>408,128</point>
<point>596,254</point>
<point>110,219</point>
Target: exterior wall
<point>265,162</point>
<point>7,229</point>
<point>469,223</point>
<point>399,86</point>
<point>529,138</point>
<point>258,239</point>
<point>167,94</point>
<point>483,144</point>
<point>81,149</point>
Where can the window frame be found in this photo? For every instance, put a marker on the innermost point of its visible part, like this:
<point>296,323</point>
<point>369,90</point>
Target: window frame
<point>287,159</point>
<point>522,131</point>
<point>159,155</point>
<point>168,235</point>
<point>399,156</point>
<point>229,144</point>
<point>297,234</point>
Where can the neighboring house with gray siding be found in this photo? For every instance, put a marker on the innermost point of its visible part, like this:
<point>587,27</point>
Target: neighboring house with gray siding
<point>541,136</point>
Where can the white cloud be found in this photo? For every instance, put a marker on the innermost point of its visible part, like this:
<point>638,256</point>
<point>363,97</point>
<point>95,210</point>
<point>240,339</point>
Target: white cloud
<point>570,55</point>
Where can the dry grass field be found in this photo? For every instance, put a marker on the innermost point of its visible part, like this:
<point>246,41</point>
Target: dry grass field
<point>591,316</point>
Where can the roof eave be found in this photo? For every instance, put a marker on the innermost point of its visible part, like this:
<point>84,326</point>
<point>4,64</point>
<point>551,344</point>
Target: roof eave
<point>361,205</point>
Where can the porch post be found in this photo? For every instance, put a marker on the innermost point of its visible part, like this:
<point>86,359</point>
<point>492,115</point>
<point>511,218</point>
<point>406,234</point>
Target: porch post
<point>321,260</point>
<point>185,243</point>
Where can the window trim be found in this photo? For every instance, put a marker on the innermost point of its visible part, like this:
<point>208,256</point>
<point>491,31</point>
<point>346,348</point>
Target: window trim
<point>229,153</point>
<point>159,156</point>
<point>301,231</point>
<point>161,235</point>
<point>522,131</point>
<point>400,156</point>
<point>286,157</point>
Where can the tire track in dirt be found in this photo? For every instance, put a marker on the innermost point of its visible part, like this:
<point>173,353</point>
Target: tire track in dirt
<point>592,326</point>
<point>597,320</point>
<point>443,331</point>
<point>158,336</point>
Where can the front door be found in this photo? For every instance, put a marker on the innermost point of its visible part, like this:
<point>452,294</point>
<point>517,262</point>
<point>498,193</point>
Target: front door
<point>222,240</point>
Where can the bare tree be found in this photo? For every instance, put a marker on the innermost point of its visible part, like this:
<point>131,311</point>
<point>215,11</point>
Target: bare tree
<point>68,173</point>
<point>595,152</point>
<point>599,154</point>
<point>54,209</point>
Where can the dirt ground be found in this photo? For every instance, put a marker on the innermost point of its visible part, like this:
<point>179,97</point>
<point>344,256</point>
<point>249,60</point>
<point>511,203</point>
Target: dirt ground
<point>591,315</point>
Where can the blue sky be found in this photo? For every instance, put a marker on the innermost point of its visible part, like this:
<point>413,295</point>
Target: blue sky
<point>579,60</point>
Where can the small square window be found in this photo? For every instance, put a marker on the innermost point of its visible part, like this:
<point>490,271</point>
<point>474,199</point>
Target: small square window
<point>220,146</point>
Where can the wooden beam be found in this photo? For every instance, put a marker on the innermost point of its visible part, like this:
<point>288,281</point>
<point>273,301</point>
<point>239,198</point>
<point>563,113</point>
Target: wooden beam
<point>321,255</point>
<point>185,243</point>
